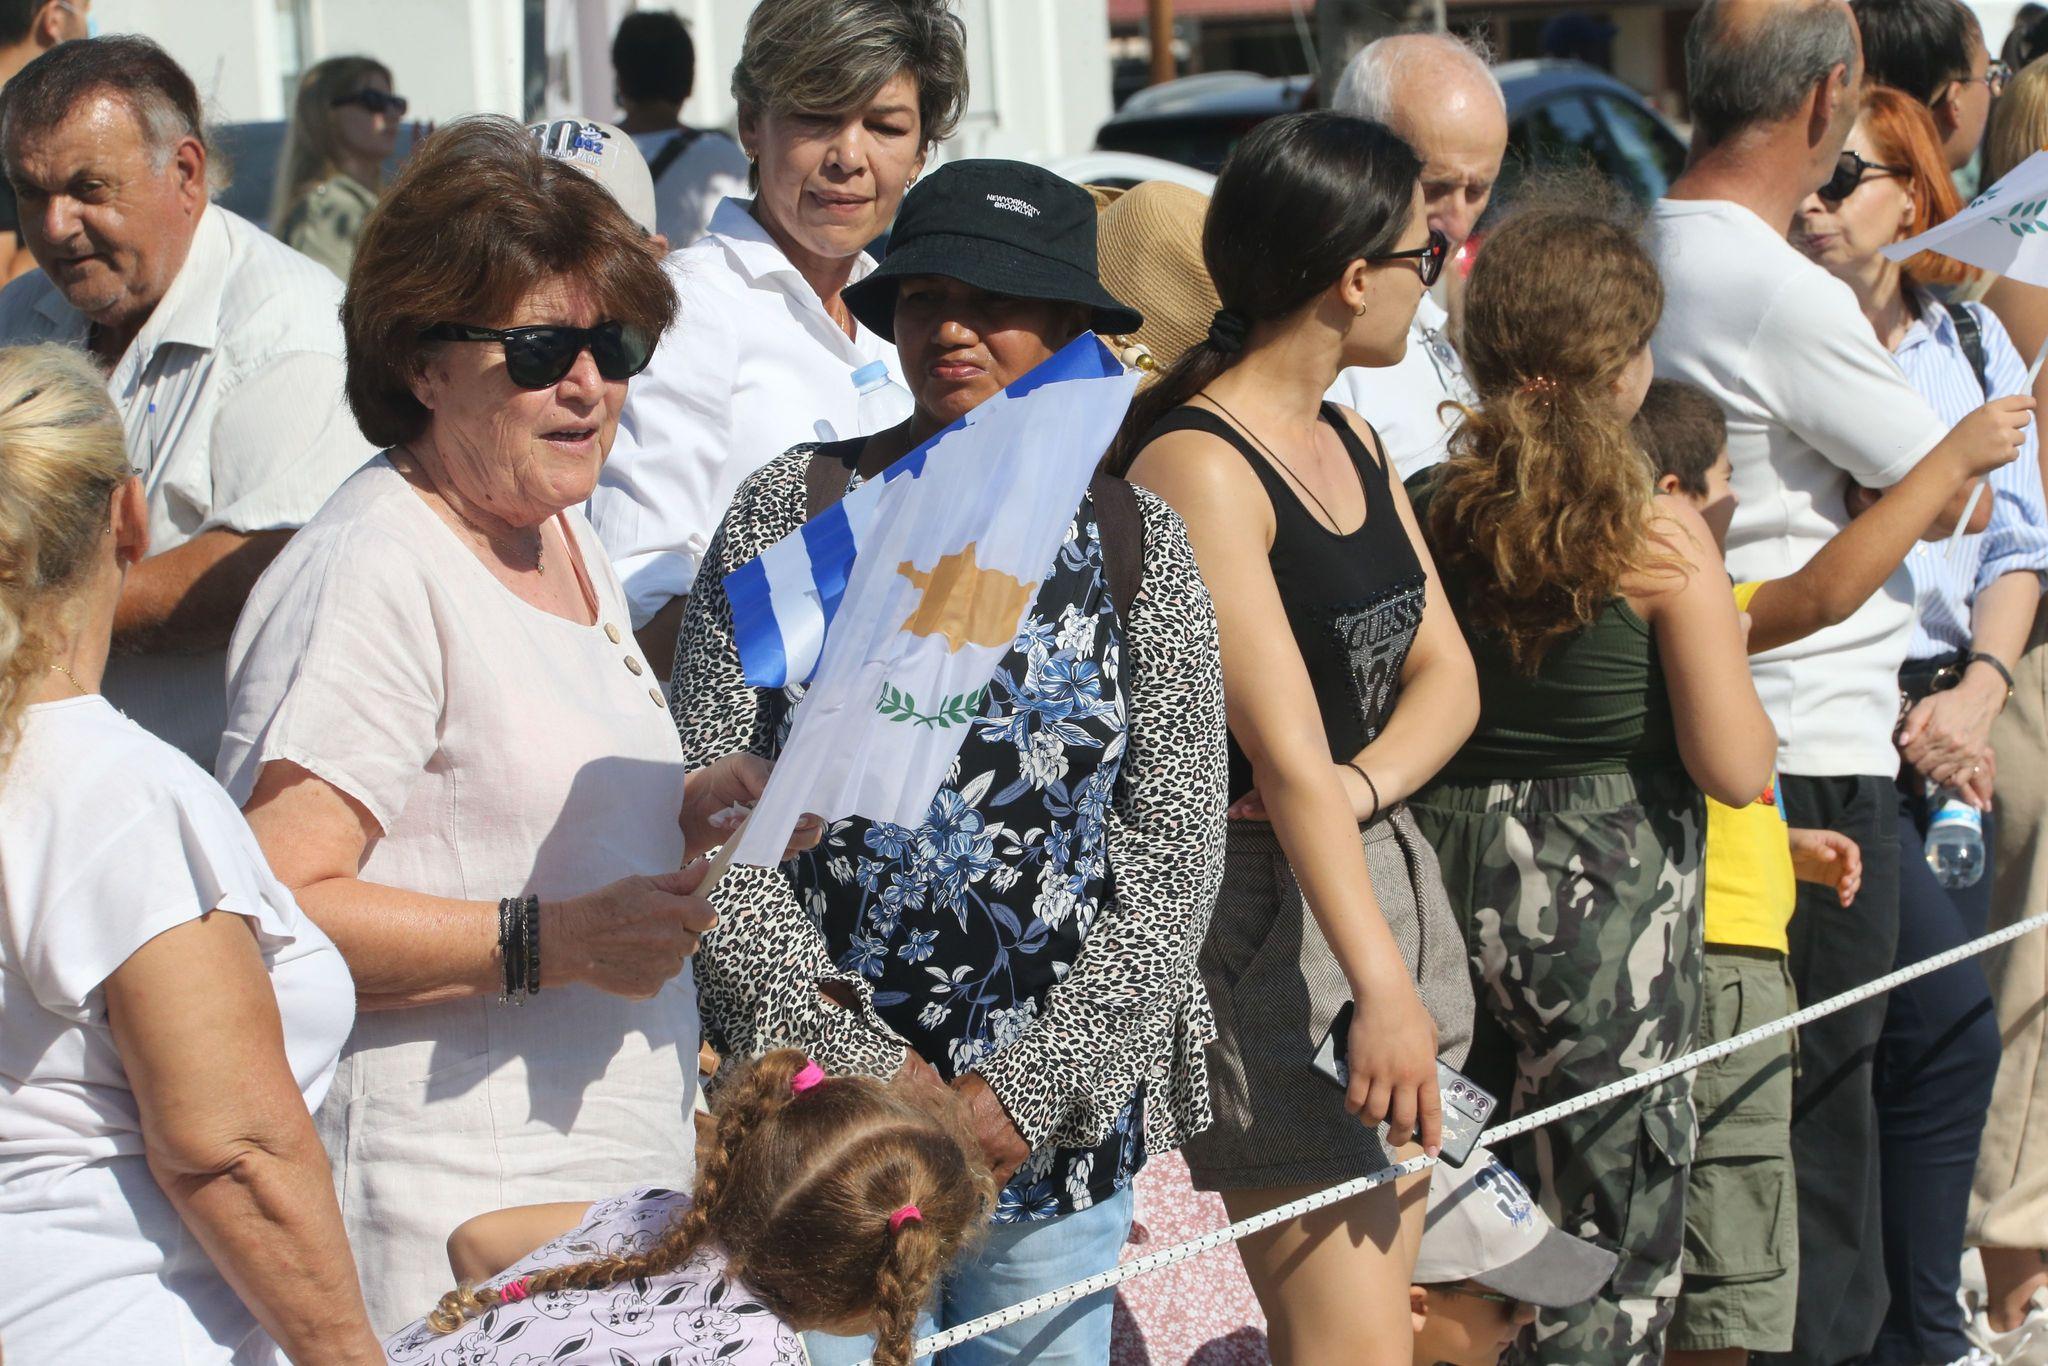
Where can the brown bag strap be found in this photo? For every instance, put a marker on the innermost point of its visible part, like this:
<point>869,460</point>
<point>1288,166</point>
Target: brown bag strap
<point>1123,539</point>
<point>826,476</point>
<point>1116,517</point>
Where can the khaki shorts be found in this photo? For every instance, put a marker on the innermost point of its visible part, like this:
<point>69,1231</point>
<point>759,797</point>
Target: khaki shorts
<point>1742,1212</point>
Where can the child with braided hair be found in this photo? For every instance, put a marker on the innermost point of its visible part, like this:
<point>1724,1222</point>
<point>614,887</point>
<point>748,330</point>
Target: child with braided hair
<point>828,1204</point>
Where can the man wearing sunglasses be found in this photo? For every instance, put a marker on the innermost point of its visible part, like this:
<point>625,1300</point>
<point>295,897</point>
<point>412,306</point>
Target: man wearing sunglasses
<point>1813,404</point>
<point>1438,94</point>
<point>28,29</point>
<point>1934,51</point>
<point>222,348</point>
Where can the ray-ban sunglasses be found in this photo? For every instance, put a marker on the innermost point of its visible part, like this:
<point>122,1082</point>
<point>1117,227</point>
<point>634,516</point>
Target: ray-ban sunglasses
<point>1429,260</point>
<point>536,357</point>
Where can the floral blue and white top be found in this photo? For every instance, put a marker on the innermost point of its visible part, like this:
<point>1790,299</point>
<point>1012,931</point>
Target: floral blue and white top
<point>695,1315</point>
<point>1039,928</point>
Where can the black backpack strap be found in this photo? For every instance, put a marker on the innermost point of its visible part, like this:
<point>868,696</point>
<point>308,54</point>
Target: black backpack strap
<point>670,150</point>
<point>1971,337</point>
<point>1122,528</point>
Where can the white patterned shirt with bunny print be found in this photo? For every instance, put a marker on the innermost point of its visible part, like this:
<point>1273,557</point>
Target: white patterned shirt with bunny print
<point>692,1316</point>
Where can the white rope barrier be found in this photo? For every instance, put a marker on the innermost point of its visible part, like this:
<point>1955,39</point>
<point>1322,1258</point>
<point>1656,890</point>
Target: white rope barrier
<point>1194,1247</point>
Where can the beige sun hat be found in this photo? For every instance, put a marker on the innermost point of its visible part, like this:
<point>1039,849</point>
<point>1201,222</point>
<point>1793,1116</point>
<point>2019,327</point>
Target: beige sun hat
<point>1148,248</point>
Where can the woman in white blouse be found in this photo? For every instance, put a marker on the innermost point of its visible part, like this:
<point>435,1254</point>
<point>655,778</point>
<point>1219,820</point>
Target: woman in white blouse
<point>839,103</point>
<point>450,746</point>
<point>167,1013</point>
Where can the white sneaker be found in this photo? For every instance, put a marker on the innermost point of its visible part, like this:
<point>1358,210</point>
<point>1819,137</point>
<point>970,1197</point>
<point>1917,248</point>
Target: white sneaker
<point>2026,1345</point>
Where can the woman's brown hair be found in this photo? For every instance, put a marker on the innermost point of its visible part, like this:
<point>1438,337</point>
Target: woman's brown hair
<point>1903,132</point>
<point>1542,508</point>
<point>476,221</point>
<point>798,1190</point>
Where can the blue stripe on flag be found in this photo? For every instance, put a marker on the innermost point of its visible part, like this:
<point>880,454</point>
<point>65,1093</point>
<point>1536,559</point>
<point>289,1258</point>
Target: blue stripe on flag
<point>829,539</point>
<point>754,628</point>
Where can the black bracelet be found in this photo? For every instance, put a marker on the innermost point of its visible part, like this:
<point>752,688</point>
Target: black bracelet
<point>1979,657</point>
<point>529,915</point>
<point>1371,787</point>
<point>508,951</point>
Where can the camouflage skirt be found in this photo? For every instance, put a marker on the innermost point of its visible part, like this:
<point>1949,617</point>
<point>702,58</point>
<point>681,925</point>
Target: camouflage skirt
<point>1581,902</point>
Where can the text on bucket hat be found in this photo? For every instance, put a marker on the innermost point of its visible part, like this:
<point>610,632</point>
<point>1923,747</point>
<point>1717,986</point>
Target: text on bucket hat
<point>608,156</point>
<point>1002,226</point>
<point>1483,1226</point>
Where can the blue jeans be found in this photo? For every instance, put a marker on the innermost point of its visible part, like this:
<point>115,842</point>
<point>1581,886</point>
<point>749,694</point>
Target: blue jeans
<point>1016,1262</point>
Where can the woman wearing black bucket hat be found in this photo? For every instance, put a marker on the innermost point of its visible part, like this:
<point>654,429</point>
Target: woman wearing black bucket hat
<point>1032,943</point>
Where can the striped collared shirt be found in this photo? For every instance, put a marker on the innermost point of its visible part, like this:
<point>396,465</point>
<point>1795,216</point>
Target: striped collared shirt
<point>1944,584</point>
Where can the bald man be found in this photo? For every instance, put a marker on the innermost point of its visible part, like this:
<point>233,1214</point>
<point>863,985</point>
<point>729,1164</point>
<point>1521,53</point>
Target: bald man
<point>1440,96</point>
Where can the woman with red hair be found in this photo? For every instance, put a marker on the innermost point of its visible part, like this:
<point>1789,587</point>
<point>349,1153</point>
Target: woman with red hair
<point>1974,605</point>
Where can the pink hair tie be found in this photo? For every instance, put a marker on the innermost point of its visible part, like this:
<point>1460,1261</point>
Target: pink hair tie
<point>909,1214</point>
<point>512,1292</point>
<point>810,1075</point>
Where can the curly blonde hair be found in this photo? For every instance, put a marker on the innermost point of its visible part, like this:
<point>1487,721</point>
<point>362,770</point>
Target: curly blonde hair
<point>1542,509</point>
<point>797,1191</point>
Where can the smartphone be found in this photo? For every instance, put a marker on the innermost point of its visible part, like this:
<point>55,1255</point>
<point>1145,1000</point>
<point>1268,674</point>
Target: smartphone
<point>1467,1106</point>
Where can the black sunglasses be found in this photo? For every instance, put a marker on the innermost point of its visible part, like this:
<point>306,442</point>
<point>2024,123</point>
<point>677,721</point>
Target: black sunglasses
<point>376,101</point>
<point>1429,260</point>
<point>1851,171</point>
<point>536,357</point>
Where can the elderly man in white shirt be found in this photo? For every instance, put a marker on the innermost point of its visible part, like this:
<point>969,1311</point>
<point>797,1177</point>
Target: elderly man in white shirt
<point>1440,96</point>
<point>222,348</point>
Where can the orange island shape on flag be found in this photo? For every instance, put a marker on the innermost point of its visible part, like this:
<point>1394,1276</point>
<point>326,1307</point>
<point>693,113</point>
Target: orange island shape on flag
<point>965,603</point>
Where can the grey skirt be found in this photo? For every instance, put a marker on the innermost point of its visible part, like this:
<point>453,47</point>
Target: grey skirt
<point>1276,987</point>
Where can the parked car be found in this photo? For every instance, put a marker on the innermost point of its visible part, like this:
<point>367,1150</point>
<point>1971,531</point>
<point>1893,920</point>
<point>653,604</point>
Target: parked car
<point>1121,170</point>
<point>1560,114</point>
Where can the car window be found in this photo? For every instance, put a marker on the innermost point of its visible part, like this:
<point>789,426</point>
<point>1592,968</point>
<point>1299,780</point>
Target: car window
<point>1561,134</point>
<point>1652,158</point>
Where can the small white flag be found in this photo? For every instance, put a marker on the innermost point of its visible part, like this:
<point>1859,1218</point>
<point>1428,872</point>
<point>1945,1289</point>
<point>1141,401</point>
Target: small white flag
<point>952,545</point>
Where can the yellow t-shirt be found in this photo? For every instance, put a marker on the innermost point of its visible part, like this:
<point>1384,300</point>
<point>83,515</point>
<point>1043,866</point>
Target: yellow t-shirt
<point>1750,889</point>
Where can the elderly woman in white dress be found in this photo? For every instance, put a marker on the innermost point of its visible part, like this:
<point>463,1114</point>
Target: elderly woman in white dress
<point>839,103</point>
<point>167,1013</point>
<point>448,742</point>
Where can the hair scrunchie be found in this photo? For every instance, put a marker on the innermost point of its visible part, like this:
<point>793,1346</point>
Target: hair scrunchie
<point>1227,330</point>
<point>807,1076</point>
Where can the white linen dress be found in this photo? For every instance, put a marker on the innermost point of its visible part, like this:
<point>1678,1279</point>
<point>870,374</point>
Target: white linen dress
<point>503,751</point>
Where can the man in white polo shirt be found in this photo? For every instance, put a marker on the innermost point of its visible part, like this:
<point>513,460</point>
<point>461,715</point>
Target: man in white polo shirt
<point>1814,405</point>
<point>1439,95</point>
<point>222,348</point>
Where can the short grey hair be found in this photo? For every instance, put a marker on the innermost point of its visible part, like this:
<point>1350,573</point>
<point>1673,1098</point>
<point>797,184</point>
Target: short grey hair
<point>1370,85</point>
<point>830,56</point>
<point>1749,63</point>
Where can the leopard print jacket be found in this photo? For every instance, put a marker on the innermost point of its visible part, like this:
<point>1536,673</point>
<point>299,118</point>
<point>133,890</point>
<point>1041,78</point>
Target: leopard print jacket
<point>1132,1009</point>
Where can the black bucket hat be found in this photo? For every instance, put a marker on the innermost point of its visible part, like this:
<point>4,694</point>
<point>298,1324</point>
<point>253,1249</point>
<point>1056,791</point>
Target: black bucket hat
<point>1004,226</point>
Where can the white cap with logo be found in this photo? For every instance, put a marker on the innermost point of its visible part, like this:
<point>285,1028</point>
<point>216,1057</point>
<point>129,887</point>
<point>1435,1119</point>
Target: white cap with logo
<point>1483,1226</point>
<point>608,156</point>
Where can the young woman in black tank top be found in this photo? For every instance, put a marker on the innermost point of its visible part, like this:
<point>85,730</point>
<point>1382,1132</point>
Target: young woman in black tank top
<point>1347,685</point>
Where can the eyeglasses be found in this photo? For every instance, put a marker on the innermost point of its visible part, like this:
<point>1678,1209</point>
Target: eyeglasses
<point>1507,1302</point>
<point>1995,77</point>
<point>1850,172</point>
<point>536,357</point>
<point>1429,260</point>
<point>376,101</point>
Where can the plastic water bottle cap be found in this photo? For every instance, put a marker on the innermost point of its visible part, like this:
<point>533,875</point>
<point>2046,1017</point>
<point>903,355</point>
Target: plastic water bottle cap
<point>872,375</point>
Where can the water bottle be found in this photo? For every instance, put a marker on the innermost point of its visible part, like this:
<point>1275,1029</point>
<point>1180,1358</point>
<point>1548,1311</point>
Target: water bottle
<point>1955,842</point>
<point>883,402</point>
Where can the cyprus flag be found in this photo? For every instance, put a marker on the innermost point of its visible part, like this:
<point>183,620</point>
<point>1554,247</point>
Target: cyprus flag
<point>947,548</point>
